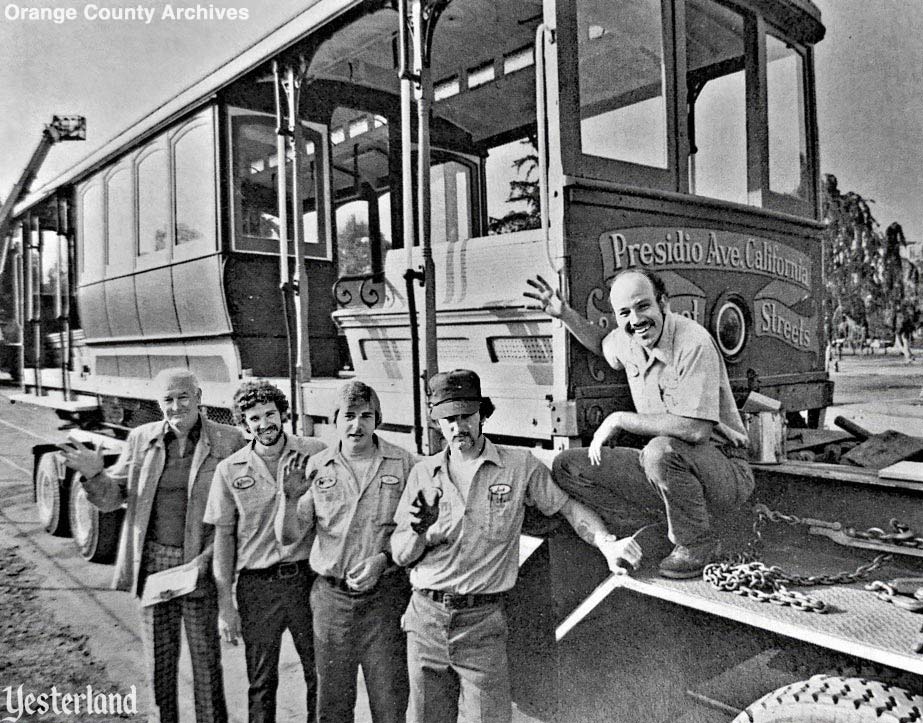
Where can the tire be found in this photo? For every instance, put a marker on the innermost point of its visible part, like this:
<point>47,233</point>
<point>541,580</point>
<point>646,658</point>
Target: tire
<point>51,488</point>
<point>833,699</point>
<point>96,533</point>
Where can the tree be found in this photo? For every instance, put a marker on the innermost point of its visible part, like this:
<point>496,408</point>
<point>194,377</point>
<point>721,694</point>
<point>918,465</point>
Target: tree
<point>867,280</point>
<point>523,190</point>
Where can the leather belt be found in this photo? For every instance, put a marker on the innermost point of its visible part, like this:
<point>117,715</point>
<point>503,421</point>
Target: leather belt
<point>454,601</point>
<point>279,571</point>
<point>732,452</point>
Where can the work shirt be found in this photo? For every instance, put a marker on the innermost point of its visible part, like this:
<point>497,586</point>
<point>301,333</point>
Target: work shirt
<point>168,515</point>
<point>352,518</point>
<point>473,547</point>
<point>245,494</point>
<point>682,375</point>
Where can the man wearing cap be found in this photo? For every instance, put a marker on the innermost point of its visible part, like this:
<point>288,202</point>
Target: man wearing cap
<point>696,460</point>
<point>273,580</point>
<point>163,476</point>
<point>348,497</point>
<point>458,526</point>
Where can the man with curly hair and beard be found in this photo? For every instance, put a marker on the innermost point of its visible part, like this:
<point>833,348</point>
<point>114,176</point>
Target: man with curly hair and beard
<point>273,580</point>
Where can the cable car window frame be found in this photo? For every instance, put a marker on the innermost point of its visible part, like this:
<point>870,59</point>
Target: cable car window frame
<point>757,25</point>
<point>578,163</point>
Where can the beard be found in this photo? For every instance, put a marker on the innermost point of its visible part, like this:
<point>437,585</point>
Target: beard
<point>269,436</point>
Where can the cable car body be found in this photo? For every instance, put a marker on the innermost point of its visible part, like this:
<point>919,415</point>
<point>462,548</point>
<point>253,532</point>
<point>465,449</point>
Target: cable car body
<point>567,138</point>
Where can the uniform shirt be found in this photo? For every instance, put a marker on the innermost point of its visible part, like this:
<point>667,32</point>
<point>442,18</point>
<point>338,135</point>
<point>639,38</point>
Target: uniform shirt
<point>473,547</point>
<point>246,495</point>
<point>352,519</point>
<point>682,375</point>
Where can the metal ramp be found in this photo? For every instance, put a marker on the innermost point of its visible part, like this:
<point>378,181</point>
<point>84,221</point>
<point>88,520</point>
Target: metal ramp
<point>858,623</point>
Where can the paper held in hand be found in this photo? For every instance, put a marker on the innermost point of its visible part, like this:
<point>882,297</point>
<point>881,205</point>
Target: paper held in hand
<point>168,584</point>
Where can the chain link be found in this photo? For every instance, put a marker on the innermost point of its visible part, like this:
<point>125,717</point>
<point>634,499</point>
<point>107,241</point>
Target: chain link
<point>901,535</point>
<point>745,575</point>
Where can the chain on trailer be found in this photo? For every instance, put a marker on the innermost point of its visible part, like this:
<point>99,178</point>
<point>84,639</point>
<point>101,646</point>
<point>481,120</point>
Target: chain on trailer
<point>747,576</point>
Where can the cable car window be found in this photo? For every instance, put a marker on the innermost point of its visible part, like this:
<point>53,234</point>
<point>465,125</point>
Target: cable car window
<point>513,199</point>
<point>92,256</point>
<point>194,163</point>
<point>153,203</point>
<point>120,221</point>
<point>450,201</point>
<point>716,88</point>
<point>254,170</point>
<point>622,80</point>
<point>360,150</point>
<point>789,172</point>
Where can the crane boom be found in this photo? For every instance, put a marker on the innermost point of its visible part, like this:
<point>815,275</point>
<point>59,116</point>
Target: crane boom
<point>61,128</point>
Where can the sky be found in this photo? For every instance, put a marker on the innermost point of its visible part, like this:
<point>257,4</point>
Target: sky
<point>869,83</point>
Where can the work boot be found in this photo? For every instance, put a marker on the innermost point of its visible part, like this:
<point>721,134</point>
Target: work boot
<point>688,561</point>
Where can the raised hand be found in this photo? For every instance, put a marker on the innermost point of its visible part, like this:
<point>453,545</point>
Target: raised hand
<point>83,459</point>
<point>294,482</point>
<point>424,512</point>
<point>548,299</point>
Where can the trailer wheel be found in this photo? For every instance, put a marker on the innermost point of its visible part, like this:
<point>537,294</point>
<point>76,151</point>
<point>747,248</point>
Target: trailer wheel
<point>832,699</point>
<point>96,533</point>
<point>51,494</point>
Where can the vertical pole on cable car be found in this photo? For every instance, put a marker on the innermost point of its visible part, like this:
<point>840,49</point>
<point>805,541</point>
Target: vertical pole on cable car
<point>424,19</point>
<point>21,290</point>
<point>36,252</point>
<point>284,285</point>
<point>411,276</point>
<point>300,277</point>
<point>60,290</point>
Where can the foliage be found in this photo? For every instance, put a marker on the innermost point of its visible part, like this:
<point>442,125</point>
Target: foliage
<point>524,192</point>
<point>867,280</point>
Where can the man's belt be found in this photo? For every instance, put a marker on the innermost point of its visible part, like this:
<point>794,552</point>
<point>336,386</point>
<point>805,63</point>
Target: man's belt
<point>279,571</point>
<point>454,601</point>
<point>732,452</point>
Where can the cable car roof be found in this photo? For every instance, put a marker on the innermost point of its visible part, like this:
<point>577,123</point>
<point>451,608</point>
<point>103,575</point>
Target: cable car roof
<point>800,18</point>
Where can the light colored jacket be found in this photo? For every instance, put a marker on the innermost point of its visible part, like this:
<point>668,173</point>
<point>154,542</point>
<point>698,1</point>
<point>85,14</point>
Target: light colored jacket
<point>133,481</point>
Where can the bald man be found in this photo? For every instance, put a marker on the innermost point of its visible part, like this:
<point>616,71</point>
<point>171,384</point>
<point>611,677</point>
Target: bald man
<point>163,477</point>
<point>695,462</point>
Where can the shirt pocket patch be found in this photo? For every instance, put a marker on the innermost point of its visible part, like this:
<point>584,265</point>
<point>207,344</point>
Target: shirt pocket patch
<point>389,494</point>
<point>502,511</point>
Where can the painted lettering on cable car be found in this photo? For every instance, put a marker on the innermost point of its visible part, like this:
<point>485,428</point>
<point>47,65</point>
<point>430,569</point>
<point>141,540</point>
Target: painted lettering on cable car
<point>671,248</point>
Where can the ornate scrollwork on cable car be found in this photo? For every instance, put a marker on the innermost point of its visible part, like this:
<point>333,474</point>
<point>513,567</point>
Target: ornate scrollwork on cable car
<point>360,289</point>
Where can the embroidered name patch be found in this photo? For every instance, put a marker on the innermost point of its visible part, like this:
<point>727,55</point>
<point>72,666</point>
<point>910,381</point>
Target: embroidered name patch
<point>390,479</point>
<point>242,483</point>
<point>325,483</point>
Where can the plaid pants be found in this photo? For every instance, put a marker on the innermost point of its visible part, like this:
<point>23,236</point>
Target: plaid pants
<point>160,631</point>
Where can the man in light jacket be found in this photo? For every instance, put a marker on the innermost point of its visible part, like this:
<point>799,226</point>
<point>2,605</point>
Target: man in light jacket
<point>163,477</point>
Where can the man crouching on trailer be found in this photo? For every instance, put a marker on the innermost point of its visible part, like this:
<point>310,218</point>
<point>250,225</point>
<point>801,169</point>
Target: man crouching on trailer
<point>696,460</point>
<point>163,476</point>
<point>273,580</point>
<point>458,526</point>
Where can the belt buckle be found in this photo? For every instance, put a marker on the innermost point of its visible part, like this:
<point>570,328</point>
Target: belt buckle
<point>287,570</point>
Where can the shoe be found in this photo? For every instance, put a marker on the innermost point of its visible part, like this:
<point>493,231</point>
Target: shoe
<point>689,561</point>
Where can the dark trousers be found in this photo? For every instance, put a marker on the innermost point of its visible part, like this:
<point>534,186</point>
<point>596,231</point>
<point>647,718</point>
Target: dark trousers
<point>160,633</point>
<point>268,605</point>
<point>684,483</point>
<point>361,629</point>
